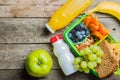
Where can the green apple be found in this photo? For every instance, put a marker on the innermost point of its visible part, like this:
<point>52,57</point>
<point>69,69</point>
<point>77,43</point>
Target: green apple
<point>38,63</point>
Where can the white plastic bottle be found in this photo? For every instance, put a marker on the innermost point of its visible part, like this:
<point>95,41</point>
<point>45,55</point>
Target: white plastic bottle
<point>65,57</point>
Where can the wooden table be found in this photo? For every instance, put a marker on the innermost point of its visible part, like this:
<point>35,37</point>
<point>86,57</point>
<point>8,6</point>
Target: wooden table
<point>22,30</point>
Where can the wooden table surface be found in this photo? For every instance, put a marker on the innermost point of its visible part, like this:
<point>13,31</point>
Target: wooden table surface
<point>22,30</point>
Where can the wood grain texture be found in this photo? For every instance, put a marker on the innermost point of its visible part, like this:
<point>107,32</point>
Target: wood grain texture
<point>19,36</point>
<point>12,56</point>
<point>27,11</point>
<point>25,30</point>
<point>37,8</point>
<point>43,2</point>
<point>54,75</point>
<point>33,2</point>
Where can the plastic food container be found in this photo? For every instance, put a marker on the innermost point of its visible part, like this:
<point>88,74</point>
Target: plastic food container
<point>72,39</point>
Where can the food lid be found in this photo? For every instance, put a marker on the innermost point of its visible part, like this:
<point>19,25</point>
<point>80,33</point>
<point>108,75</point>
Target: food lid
<point>56,38</point>
<point>49,28</point>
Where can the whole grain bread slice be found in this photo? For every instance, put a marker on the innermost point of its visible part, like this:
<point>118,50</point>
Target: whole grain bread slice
<point>110,60</point>
<point>116,46</point>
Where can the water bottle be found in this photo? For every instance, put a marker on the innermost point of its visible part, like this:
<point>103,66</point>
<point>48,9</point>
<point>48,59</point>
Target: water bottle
<point>65,57</point>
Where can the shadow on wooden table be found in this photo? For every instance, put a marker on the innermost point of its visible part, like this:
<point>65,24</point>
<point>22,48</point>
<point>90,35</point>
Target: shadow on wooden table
<point>26,76</point>
<point>76,76</point>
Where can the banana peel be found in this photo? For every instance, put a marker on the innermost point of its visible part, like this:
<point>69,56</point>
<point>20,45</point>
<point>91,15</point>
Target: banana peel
<point>111,8</point>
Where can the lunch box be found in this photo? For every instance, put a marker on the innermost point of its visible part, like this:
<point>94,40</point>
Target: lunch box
<point>72,38</point>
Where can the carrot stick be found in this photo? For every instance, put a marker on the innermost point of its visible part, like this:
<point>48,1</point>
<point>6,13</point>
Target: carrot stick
<point>87,21</point>
<point>103,30</point>
<point>91,14</point>
<point>94,20</point>
<point>98,34</point>
<point>93,27</point>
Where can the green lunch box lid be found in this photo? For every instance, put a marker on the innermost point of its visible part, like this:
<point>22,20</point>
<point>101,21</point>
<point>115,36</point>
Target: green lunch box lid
<point>71,44</point>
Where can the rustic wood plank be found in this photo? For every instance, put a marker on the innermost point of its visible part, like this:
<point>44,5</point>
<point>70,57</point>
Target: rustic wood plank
<point>43,2</point>
<point>33,2</point>
<point>54,75</point>
<point>31,35</point>
<point>32,11</point>
<point>27,11</point>
<point>12,56</point>
<point>25,30</point>
<point>39,8</point>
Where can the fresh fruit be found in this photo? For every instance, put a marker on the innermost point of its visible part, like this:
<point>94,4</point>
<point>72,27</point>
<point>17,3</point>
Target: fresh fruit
<point>83,64</point>
<point>70,35</point>
<point>78,60</point>
<point>77,66</point>
<point>80,69</point>
<point>87,32</point>
<point>86,70</point>
<point>99,60</point>
<point>100,53</point>
<point>82,26</point>
<point>87,51</point>
<point>94,63</point>
<point>90,65</point>
<point>78,33</point>
<point>91,57</point>
<point>38,63</point>
<point>109,8</point>
<point>82,52</point>
<point>82,32</point>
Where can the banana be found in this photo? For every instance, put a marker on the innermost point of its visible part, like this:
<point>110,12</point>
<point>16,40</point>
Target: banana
<point>111,8</point>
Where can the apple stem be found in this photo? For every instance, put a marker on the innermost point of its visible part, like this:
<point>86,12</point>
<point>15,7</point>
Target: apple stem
<point>39,63</point>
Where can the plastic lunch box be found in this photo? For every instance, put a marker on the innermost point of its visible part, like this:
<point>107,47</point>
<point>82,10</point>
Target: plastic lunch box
<point>72,43</point>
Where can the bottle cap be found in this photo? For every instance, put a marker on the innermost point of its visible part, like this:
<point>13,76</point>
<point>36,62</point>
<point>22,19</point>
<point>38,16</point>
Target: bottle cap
<point>49,28</point>
<point>56,38</point>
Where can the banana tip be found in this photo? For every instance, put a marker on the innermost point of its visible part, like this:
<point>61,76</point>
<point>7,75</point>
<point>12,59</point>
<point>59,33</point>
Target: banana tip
<point>90,11</point>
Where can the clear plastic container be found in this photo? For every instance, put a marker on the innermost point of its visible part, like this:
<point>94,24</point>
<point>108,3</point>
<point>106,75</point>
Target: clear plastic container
<point>64,15</point>
<point>65,57</point>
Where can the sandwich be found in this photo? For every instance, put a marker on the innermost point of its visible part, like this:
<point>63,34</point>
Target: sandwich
<point>110,60</point>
